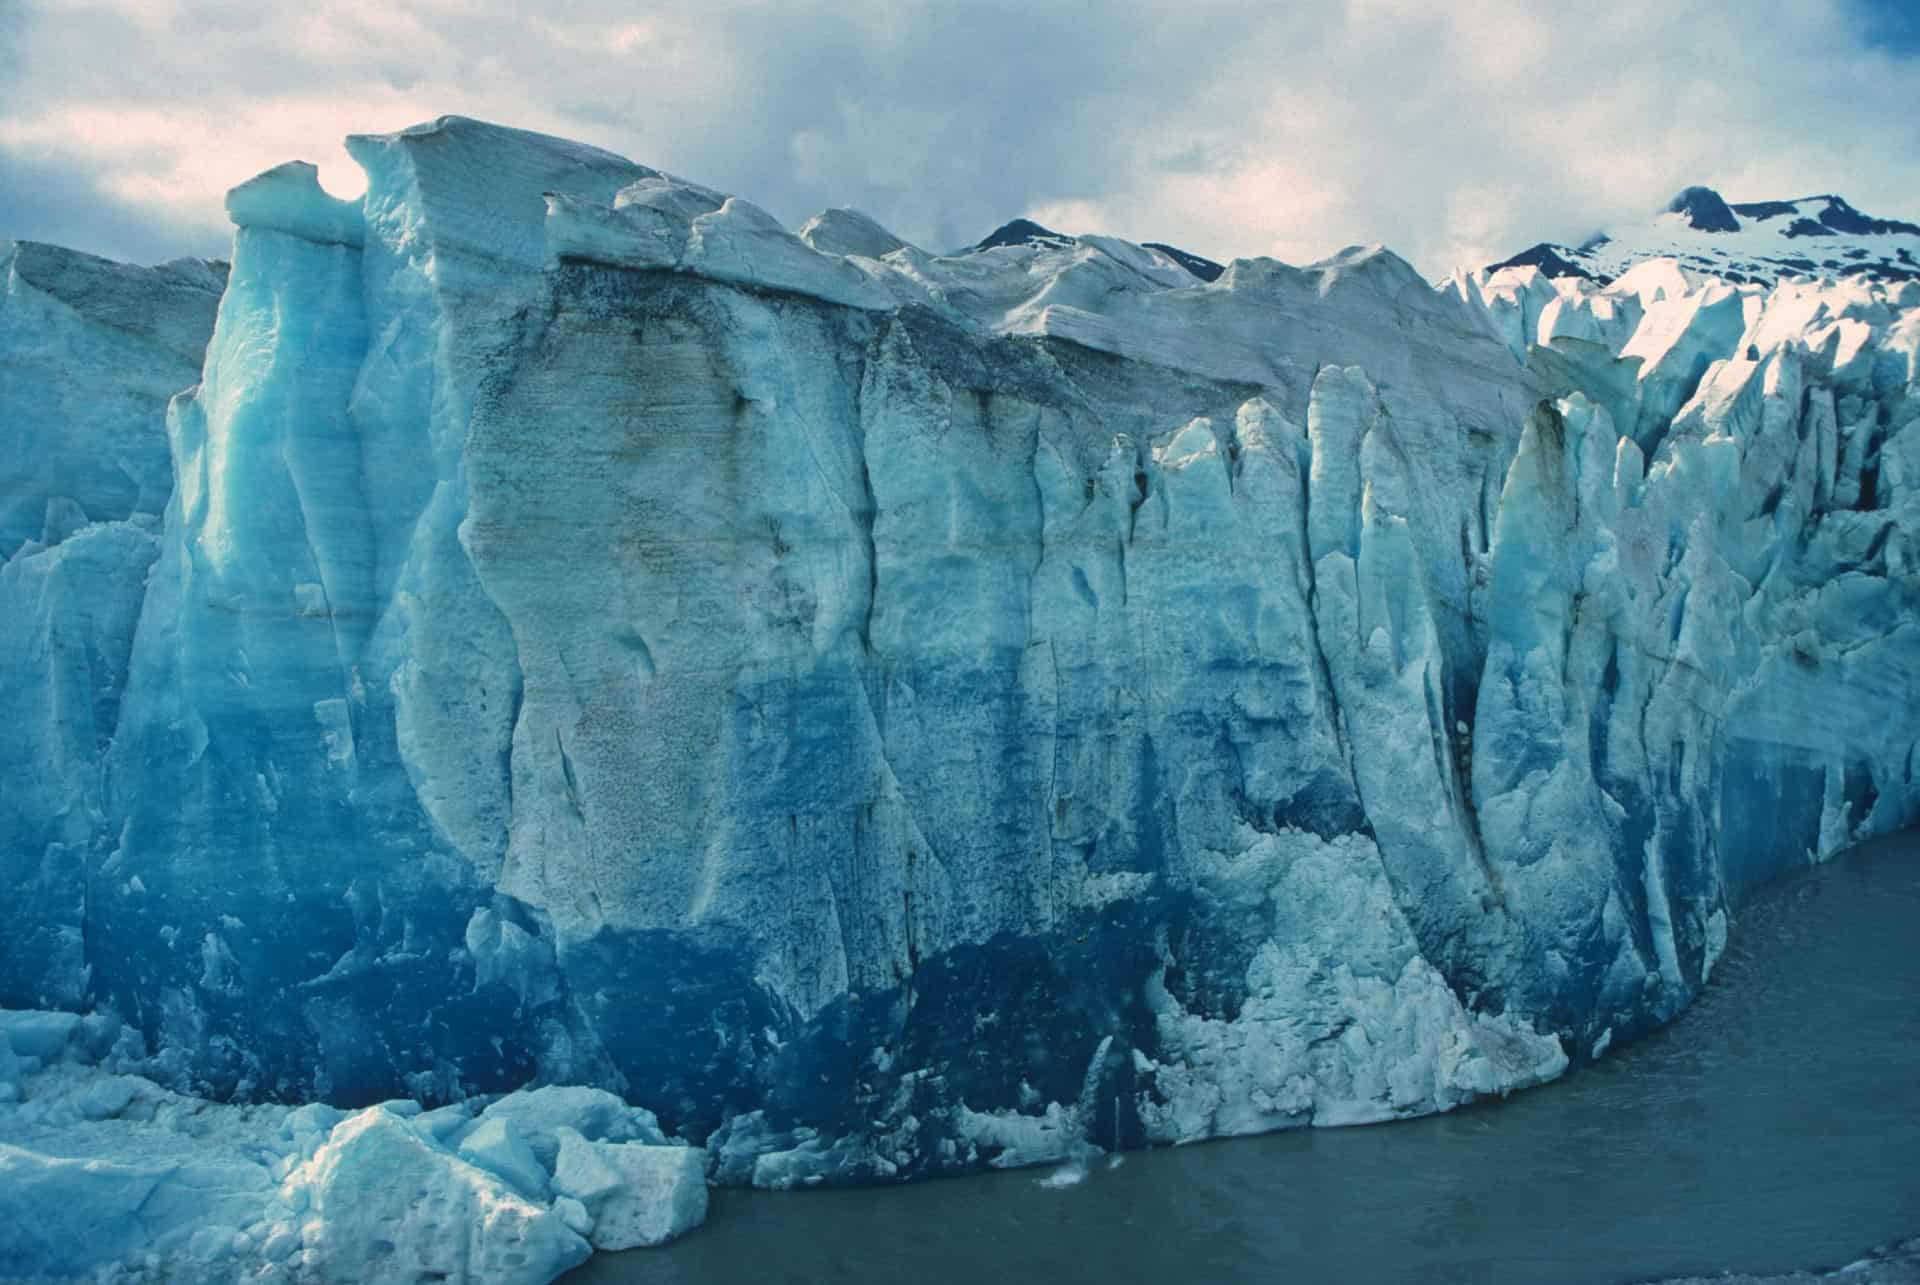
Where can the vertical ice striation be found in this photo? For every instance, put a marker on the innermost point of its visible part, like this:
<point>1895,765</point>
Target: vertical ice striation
<point>90,351</point>
<point>887,713</point>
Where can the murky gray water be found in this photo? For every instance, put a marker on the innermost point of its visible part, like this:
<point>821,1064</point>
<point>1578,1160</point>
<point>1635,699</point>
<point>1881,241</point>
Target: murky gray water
<point>1775,1125</point>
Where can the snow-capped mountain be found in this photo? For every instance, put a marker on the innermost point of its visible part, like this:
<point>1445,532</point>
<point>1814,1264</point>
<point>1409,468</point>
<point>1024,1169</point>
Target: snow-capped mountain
<point>1027,232</point>
<point>1761,241</point>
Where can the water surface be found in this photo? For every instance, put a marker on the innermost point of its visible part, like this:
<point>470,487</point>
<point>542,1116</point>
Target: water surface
<point>1775,1125</point>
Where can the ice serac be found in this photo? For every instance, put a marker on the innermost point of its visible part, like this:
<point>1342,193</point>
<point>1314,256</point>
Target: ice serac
<point>90,351</point>
<point>315,731</point>
<point>880,713</point>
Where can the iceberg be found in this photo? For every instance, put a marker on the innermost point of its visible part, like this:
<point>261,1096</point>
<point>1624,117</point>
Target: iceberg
<point>869,713</point>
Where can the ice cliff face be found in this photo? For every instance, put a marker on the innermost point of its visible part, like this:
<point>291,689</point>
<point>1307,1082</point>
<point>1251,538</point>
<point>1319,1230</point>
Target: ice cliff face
<point>888,713</point>
<point>90,351</point>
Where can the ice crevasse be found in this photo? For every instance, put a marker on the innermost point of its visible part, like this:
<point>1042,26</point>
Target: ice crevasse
<point>881,713</point>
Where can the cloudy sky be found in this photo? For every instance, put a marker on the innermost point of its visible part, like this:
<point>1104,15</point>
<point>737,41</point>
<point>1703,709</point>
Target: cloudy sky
<point>1452,130</point>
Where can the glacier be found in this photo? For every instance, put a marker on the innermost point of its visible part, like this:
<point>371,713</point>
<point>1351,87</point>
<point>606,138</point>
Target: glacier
<point>883,713</point>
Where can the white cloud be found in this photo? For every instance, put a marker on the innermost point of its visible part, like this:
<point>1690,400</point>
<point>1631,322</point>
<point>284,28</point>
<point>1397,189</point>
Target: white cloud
<point>1447,130</point>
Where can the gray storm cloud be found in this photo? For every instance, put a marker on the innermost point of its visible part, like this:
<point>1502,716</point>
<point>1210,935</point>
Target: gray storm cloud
<point>1453,132</point>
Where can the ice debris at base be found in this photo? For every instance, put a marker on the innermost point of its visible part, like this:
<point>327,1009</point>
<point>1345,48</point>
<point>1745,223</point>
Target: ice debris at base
<point>888,713</point>
<point>106,1174</point>
<point>641,1194</point>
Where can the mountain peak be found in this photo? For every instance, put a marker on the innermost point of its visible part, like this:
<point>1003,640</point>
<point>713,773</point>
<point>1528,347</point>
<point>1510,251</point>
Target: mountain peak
<point>1027,232</point>
<point>1703,210</point>
<point>1550,261</point>
<point>1021,232</point>
<point>1199,265</point>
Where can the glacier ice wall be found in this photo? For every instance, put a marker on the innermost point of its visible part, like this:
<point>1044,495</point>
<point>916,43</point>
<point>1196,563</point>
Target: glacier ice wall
<point>889,713</point>
<point>90,351</point>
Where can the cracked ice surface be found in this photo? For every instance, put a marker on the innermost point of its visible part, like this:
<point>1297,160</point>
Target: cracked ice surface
<point>888,713</point>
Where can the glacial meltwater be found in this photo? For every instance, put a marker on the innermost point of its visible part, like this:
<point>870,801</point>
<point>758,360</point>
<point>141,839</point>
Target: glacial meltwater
<point>1775,1125</point>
